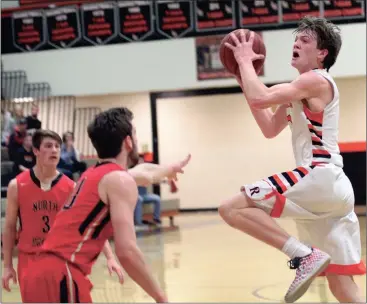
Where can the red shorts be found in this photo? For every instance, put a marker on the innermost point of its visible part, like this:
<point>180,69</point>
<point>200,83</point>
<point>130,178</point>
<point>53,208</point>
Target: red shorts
<point>25,261</point>
<point>51,279</point>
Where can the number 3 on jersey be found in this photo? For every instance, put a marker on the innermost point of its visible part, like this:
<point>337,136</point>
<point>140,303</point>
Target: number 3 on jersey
<point>74,195</point>
<point>46,220</point>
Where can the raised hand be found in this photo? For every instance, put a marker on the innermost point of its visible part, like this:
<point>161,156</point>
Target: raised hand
<point>242,48</point>
<point>178,168</point>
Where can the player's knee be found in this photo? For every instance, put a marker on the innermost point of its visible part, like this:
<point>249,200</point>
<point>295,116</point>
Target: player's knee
<point>228,211</point>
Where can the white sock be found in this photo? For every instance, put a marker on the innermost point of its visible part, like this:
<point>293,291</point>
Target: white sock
<point>294,248</point>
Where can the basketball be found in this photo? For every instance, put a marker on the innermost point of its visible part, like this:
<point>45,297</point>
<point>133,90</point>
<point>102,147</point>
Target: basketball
<point>226,54</point>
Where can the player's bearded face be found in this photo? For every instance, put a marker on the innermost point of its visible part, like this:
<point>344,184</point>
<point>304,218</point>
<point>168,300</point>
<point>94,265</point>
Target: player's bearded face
<point>134,155</point>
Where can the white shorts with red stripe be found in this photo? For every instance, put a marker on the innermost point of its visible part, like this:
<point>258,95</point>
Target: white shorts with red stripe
<point>321,200</point>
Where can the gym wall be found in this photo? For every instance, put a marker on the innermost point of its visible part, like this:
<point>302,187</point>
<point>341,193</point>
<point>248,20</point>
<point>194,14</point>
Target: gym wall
<point>227,146</point>
<point>165,65</point>
<point>137,103</point>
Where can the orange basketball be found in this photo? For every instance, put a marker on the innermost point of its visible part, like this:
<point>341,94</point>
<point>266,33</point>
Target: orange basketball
<point>227,57</point>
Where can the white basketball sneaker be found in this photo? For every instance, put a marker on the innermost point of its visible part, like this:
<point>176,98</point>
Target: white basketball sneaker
<point>307,269</point>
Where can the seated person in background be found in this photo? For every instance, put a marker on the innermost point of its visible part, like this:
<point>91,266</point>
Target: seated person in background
<point>150,198</point>
<point>69,158</point>
<point>25,158</point>
<point>16,139</point>
<point>147,198</point>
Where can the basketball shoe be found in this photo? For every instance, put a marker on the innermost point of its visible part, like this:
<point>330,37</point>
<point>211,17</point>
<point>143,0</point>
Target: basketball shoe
<point>307,269</point>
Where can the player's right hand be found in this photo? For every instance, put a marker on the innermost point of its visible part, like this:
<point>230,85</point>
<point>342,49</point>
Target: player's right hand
<point>178,168</point>
<point>9,274</point>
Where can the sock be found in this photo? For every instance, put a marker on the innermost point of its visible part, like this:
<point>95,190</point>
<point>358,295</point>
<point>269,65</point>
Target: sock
<point>294,248</point>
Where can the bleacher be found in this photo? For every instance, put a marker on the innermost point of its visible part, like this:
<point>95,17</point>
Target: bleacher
<point>6,170</point>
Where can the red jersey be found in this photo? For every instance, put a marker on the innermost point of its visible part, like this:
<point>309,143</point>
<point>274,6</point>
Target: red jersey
<point>83,226</point>
<point>38,208</point>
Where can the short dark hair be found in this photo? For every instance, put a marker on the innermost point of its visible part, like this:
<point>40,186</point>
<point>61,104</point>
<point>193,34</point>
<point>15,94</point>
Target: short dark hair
<point>40,134</point>
<point>327,35</point>
<point>67,133</point>
<point>109,129</point>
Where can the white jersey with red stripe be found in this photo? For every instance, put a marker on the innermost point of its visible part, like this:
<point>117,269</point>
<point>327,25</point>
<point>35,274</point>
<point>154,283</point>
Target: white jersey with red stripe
<point>315,134</point>
<point>317,193</point>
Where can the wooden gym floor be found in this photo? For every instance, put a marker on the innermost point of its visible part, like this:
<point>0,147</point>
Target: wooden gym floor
<point>203,260</point>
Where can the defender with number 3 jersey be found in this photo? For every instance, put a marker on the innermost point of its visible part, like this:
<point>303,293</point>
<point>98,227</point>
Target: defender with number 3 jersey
<point>37,211</point>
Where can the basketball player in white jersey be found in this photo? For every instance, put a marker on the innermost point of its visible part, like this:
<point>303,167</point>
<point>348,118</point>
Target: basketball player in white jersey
<point>317,194</point>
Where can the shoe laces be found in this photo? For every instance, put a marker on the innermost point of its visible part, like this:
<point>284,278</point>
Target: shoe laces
<point>294,263</point>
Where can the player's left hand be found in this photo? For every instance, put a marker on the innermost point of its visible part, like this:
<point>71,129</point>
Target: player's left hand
<point>113,266</point>
<point>9,273</point>
<point>242,48</point>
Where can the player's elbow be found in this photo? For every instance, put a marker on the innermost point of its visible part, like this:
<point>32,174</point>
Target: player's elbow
<point>268,131</point>
<point>260,102</point>
<point>269,135</point>
<point>271,132</point>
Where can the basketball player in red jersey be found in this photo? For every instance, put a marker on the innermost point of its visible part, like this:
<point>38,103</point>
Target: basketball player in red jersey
<point>102,205</point>
<point>317,194</point>
<point>35,197</point>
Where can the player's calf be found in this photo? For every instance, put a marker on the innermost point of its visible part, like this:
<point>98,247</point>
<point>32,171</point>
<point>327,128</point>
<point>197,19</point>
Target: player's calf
<point>344,289</point>
<point>243,214</point>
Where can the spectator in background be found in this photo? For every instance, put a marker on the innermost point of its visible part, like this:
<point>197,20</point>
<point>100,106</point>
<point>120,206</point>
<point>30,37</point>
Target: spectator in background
<point>7,126</point>
<point>33,123</point>
<point>146,198</point>
<point>18,113</point>
<point>16,139</point>
<point>25,157</point>
<point>70,158</point>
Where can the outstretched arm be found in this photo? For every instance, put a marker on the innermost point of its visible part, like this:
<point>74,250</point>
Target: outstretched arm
<point>147,174</point>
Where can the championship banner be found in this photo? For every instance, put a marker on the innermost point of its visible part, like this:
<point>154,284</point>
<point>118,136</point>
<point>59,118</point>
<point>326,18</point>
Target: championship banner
<point>55,24</point>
